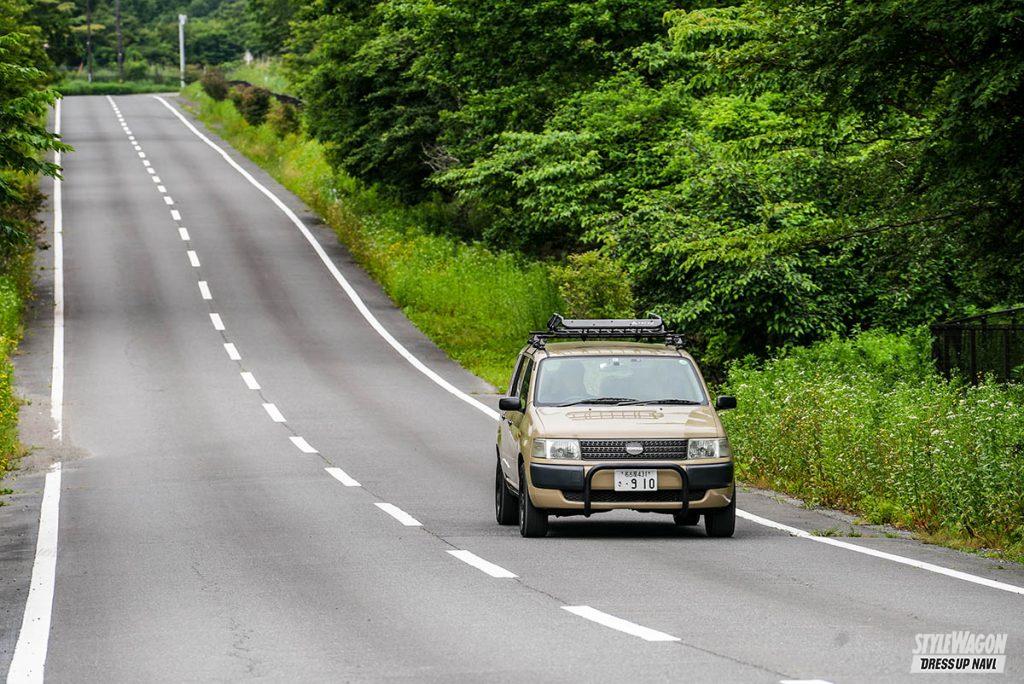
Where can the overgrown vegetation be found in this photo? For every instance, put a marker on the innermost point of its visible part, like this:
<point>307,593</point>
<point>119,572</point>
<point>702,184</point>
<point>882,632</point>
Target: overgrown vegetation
<point>24,141</point>
<point>766,172</point>
<point>867,425</point>
<point>475,302</point>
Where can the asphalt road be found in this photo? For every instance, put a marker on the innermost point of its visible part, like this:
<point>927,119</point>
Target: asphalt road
<point>198,540</point>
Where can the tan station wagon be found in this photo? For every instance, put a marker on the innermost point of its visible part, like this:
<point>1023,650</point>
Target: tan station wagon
<point>611,414</point>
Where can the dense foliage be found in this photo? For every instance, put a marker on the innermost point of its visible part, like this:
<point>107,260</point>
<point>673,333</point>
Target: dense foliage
<point>24,139</point>
<point>866,424</point>
<point>218,31</point>
<point>765,172</point>
<point>24,143</point>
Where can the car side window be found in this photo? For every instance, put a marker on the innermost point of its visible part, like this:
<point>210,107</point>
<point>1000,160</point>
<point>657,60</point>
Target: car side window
<point>524,383</point>
<point>513,384</point>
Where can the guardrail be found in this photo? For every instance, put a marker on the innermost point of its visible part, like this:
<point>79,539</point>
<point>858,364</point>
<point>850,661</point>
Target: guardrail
<point>987,344</point>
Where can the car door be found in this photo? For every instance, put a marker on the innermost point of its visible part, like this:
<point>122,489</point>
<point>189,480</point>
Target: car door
<point>514,419</point>
<point>507,445</point>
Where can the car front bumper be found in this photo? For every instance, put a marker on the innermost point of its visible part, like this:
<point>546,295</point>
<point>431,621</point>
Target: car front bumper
<point>559,488</point>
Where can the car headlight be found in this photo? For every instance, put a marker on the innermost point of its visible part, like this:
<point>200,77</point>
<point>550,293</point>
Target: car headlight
<point>709,448</point>
<point>556,448</point>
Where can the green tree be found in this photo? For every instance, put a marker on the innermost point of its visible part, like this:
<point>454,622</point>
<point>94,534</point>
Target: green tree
<point>24,101</point>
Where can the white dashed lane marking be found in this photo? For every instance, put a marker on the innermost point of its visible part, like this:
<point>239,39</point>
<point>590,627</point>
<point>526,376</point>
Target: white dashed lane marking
<point>484,566</point>
<point>183,232</point>
<point>233,354</point>
<point>193,258</point>
<point>175,214</point>
<point>342,477</point>
<point>273,412</point>
<point>398,514</point>
<point>618,624</point>
<point>250,381</point>
<point>218,324</point>
<point>204,290</point>
<point>302,445</point>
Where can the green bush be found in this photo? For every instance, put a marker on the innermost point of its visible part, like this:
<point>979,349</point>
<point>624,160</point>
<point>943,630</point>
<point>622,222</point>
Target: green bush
<point>252,102</point>
<point>867,425</point>
<point>593,286</point>
<point>136,70</point>
<point>214,84</point>
<point>283,118</point>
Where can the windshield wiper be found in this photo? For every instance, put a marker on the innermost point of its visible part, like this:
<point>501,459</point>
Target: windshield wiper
<point>599,400</point>
<point>682,402</point>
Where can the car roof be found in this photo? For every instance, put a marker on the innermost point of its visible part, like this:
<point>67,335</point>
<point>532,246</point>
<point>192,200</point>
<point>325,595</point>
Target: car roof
<point>604,348</point>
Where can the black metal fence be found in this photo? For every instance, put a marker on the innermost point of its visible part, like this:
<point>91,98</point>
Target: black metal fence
<point>976,346</point>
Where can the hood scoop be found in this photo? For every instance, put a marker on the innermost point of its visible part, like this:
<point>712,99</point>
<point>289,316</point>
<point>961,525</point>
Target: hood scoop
<point>626,414</point>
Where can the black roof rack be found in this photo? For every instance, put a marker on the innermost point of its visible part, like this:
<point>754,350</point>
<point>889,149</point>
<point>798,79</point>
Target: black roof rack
<point>652,328</point>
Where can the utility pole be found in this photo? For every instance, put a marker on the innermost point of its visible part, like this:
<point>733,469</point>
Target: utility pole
<point>181,46</point>
<point>120,40</point>
<point>88,38</point>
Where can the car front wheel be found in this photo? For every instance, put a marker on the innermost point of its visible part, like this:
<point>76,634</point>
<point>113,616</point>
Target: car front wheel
<point>721,522</point>
<point>533,522</point>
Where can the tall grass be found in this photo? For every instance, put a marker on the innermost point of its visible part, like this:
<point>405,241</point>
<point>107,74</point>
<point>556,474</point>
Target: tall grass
<point>867,425</point>
<point>477,304</point>
<point>15,288</point>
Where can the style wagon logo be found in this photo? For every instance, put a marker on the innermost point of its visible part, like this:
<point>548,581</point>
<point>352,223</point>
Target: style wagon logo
<point>959,652</point>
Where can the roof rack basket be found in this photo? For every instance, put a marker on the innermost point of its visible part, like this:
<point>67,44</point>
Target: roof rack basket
<point>639,329</point>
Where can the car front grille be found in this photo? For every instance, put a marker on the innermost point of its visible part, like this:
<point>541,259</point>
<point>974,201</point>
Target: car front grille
<point>611,496</point>
<point>615,449</point>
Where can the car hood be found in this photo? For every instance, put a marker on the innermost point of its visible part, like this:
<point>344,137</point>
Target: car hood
<point>627,422</point>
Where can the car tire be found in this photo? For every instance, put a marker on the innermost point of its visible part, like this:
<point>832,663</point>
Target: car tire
<point>533,522</point>
<point>687,519</point>
<point>721,522</point>
<point>506,508</point>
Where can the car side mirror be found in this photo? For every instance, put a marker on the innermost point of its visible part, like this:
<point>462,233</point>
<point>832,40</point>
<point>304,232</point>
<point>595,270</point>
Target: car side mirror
<point>725,402</point>
<point>510,404</point>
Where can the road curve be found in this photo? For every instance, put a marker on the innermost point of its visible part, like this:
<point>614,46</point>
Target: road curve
<point>268,489</point>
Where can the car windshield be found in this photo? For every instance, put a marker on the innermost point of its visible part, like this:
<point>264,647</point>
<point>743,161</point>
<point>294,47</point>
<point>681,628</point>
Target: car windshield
<point>631,379</point>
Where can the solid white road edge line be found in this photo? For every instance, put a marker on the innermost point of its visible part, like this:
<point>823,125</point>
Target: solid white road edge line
<point>482,565</point>
<point>338,277</point>
<point>57,376</point>
<point>30,652</point>
<point>302,445</point>
<point>233,354</point>
<point>398,514</point>
<point>930,567</point>
<point>250,381</point>
<point>475,403</point>
<point>218,324</point>
<point>274,413</point>
<point>342,477</point>
<point>619,624</point>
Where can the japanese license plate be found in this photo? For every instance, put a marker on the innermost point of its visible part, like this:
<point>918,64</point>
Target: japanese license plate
<point>636,480</point>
